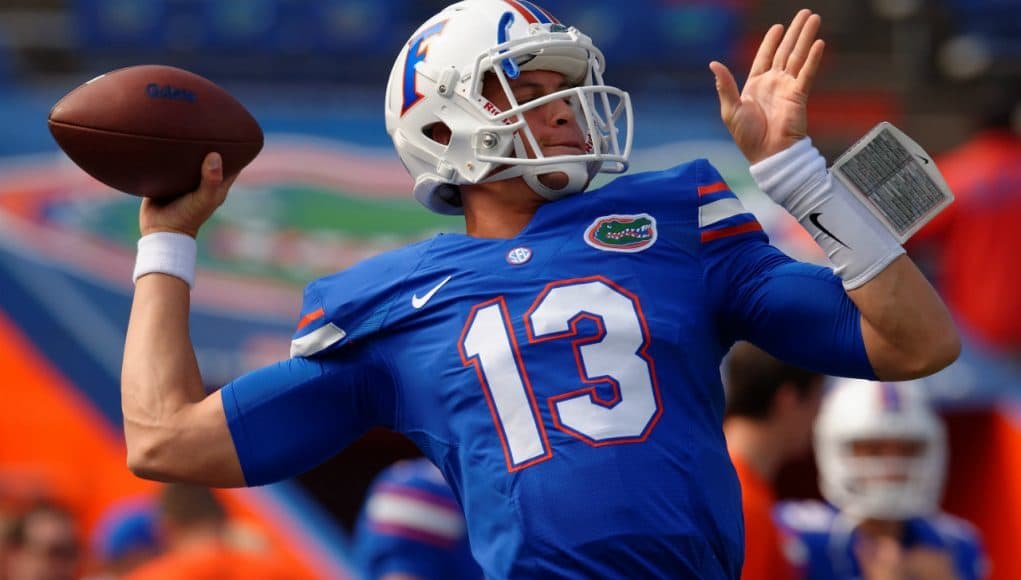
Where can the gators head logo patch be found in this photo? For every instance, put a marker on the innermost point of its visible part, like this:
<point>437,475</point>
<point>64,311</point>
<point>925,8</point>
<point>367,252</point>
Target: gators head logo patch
<point>622,233</point>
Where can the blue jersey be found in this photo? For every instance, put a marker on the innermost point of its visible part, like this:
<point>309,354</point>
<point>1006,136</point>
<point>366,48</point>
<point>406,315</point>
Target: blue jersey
<point>820,543</point>
<point>411,524</point>
<point>566,381</point>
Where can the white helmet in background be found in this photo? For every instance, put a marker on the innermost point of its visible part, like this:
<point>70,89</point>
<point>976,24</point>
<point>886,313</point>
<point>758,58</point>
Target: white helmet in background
<point>438,77</point>
<point>880,487</point>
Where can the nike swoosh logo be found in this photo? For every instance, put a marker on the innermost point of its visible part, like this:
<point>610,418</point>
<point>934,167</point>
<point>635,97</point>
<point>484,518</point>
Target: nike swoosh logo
<point>417,302</point>
<point>924,160</point>
<point>814,218</point>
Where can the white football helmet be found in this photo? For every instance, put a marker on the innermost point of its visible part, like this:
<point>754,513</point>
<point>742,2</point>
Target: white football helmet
<point>438,77</point>
<point>889,488</point>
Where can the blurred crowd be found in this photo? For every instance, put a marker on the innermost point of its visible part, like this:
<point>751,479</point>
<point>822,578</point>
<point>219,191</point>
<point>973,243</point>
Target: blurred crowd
<point>181,532</point>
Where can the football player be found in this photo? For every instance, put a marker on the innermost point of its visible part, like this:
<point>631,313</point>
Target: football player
<point>412,527</point>
<point>881,453</point>
<point>559,362</point>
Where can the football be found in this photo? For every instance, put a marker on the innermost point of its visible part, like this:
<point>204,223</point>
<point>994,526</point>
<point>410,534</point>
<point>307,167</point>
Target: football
<point>145,129</point>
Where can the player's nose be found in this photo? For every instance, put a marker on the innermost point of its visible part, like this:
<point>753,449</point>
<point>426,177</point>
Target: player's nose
<point>560,112</point>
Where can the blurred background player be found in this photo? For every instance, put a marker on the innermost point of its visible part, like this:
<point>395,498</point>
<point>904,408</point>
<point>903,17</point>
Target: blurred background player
<point>771,407</point>
<point>195,533</point>
<point>881,453</point>
<point>43,545</point>
<point>412,527</point>
<point>125,538</point>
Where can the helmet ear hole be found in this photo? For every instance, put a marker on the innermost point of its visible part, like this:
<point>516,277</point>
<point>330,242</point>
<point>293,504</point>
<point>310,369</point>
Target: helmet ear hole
<point>438,132</point>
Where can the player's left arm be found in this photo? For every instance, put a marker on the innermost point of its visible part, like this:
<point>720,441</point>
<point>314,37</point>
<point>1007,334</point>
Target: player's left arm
<point>906,329</point>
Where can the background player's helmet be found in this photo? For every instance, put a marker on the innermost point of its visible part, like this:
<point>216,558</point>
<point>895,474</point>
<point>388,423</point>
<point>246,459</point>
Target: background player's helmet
<point>438,76</point>
<point>890,488</point>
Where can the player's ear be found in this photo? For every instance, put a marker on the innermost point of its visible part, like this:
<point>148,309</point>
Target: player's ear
<point>438,132</point>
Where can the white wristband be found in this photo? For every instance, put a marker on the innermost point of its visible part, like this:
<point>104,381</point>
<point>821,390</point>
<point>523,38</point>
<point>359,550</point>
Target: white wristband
<point>166,253</point>
<point>856,242</point>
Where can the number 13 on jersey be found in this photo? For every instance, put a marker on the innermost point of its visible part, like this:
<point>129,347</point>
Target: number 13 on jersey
<point>615,356</point>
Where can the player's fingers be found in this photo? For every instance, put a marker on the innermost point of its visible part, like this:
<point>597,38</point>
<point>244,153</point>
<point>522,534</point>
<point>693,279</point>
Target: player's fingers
<point>783,52</point>
<point>805,42</point>
<point>212,174</point>
<point>212,180</point>
<point>806,77</point>
<point>764,57</point>
<point>726,88</point>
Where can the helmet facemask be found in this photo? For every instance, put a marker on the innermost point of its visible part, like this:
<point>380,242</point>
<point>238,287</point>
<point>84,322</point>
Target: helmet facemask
<point>881,450</point>
<point>888,487</point>
<point>597,109</point>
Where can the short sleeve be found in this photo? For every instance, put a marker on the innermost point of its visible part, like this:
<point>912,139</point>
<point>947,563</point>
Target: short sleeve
<point>289,417</point>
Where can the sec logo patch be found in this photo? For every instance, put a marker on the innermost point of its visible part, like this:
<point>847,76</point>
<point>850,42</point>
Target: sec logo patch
<point>519,255</point>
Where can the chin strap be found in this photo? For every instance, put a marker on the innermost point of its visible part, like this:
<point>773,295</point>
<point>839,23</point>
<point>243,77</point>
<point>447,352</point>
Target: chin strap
<point>579,174</point>
<point>578,177</point>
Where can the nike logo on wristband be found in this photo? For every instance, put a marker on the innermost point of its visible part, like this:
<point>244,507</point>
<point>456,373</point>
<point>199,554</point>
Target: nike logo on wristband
<point>814,218</point>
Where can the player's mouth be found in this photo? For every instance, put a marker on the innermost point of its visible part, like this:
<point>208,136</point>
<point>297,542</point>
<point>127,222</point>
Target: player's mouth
<point>564,148</point>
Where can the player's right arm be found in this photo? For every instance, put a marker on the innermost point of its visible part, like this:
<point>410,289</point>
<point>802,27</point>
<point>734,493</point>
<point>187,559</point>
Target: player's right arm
<point>267,425</point>
<point>173,430</point>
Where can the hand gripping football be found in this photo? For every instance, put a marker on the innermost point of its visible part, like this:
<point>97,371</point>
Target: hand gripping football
<point>145,130</point>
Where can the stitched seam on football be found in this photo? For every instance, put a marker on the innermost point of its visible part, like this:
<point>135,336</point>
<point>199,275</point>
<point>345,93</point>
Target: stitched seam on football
<point>157,137</point>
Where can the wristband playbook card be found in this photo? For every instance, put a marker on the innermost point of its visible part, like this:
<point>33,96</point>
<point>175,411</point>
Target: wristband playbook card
<point>895,179</point>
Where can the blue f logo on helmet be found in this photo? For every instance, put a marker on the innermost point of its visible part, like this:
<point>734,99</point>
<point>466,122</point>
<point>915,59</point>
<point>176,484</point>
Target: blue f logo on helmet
<point>418,48</point>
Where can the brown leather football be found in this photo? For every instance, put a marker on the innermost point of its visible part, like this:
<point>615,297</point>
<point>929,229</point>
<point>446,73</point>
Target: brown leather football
<point>145,130</point>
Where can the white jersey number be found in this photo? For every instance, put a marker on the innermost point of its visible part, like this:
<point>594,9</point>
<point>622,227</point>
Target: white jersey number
<point>616,356</point>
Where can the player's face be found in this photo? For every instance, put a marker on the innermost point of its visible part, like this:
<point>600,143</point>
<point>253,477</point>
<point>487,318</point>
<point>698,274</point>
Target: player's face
<point>898,452</point>
<point>50,549</point>
<point>554,125</point>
